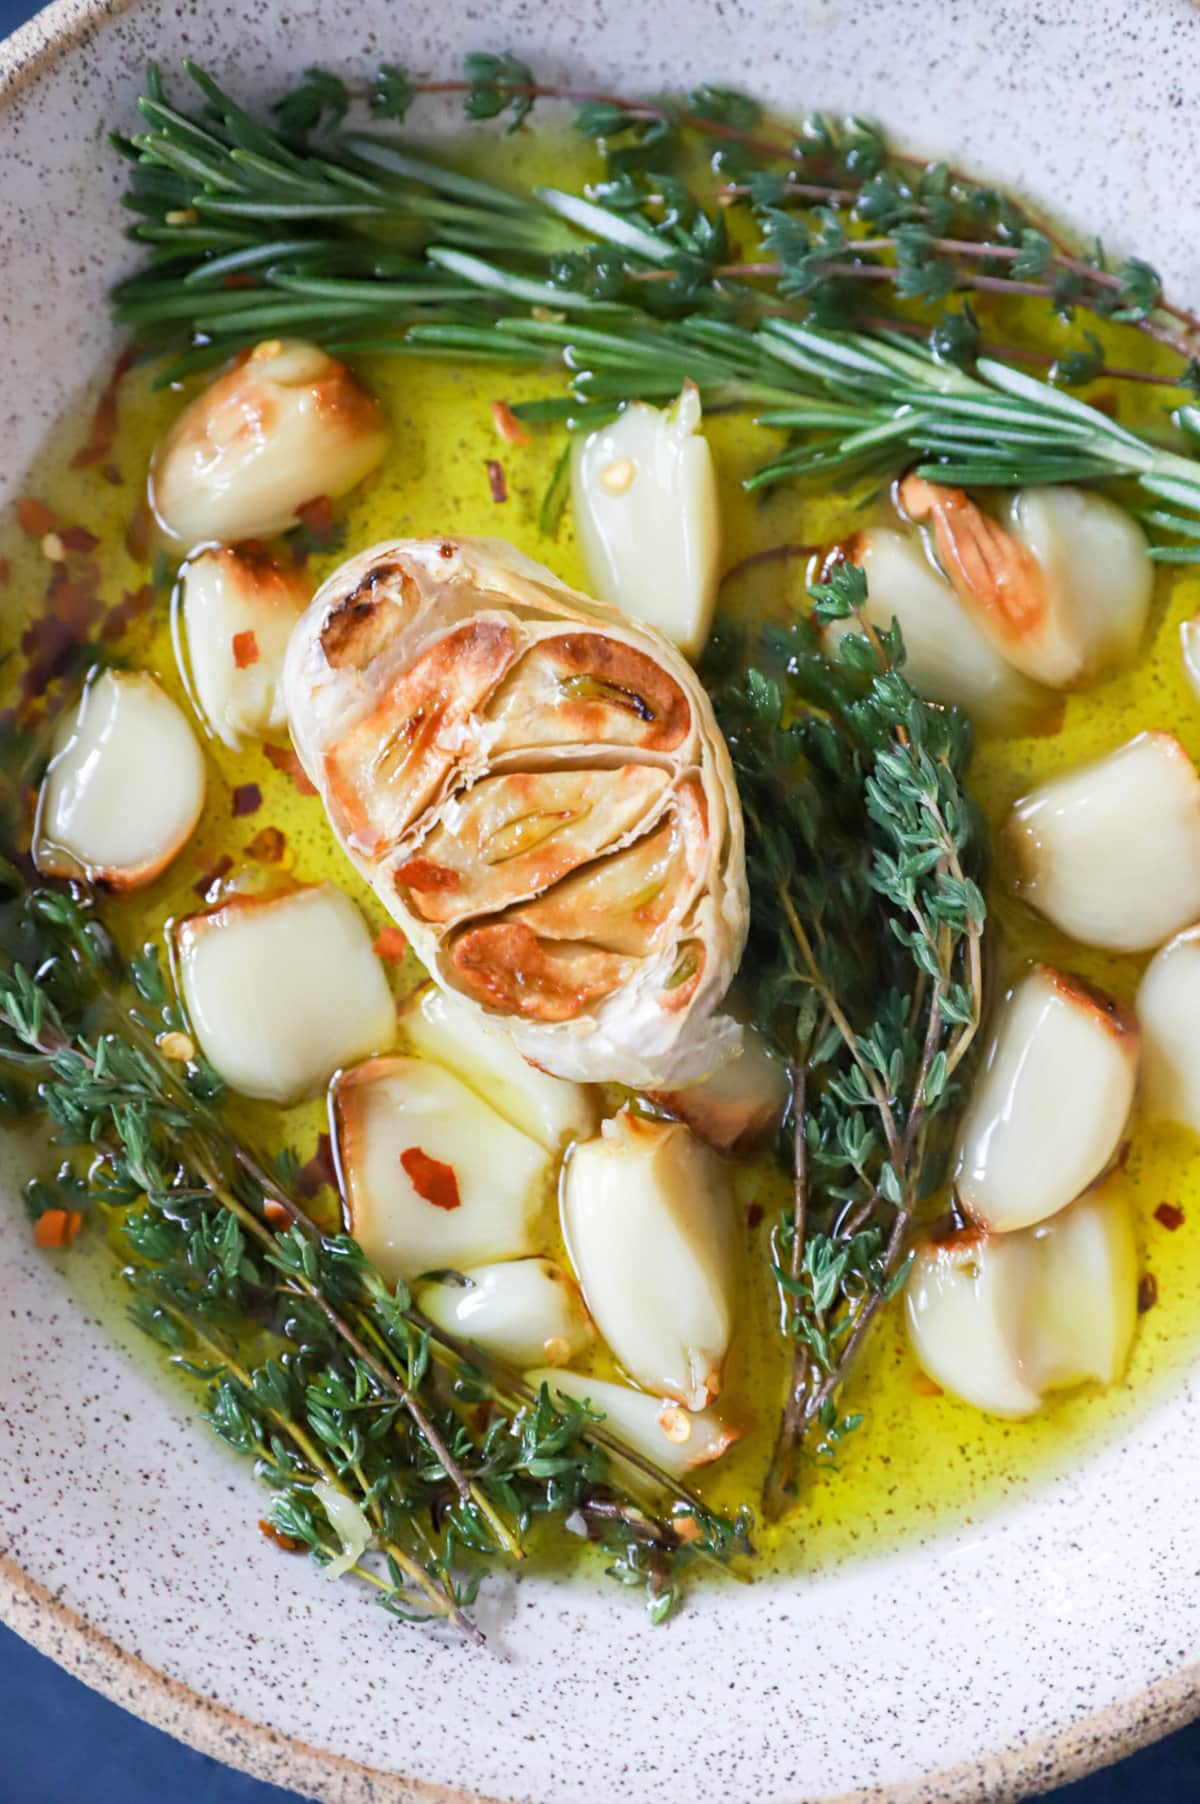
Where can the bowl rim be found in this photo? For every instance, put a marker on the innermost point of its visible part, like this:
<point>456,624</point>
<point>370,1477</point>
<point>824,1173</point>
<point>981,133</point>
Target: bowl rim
<point>84,1650</point>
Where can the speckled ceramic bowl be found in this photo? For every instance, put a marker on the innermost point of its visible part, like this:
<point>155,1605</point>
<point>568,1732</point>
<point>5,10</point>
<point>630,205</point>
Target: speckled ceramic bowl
<point>1054,1633</point>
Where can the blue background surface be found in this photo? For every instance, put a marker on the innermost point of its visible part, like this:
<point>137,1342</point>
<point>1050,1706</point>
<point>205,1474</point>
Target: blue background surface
<point>59,1741</point>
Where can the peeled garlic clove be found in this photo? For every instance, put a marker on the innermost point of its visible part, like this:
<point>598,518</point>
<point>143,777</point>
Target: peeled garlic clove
<point>237,613</point>
<point>1050,1105</point>
<point>649,1227</point>
<point>1111,852</point>
<point>1168,1007</point>
<point>285,425</point>
<point>644,497</point>
<point>965,1302</point>
<point>948,657</point>
<point>433,1178</point>
<point>675,1439</point>
<point>522,1311</point>
<point>739,1103</point>
<point>1189,645</point>
<point>550,1110</point>
<point>124,788</point>
<point>282,990</point>
<point>1083,1309</point>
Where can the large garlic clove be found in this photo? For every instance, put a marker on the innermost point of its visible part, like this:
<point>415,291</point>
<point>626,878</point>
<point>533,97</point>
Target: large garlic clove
<point>739,1103</point>
<point>433,1178</point>
<point>1061,587</point>
<point>237,613</point>
<point>124,788</point>
<point>948,657</point>
<point>285,425</point>
<point>282,990</point>
<point>1111,852</point>
<point>674,1439</point>
<point>644,497</point>
<point>524,1311</point>
<point>1000,1319</point>
<point>1168,1007</point>
<point>649,1227</point>
<point>1050,1105</point>
<point>550,1110</point>
<point>1189,647</point>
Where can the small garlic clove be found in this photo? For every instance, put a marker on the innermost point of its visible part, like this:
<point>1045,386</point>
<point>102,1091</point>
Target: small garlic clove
<point>1189,647</point>
<point>124,788</point>
<point>550,1110</point>
<point>1083,1309</point>
<point>1168,1007</point>
<point>649,1227</point>
<point>523,1311</point>
<point>1049,1107</point>
<point>644,497</point>
<point>739,1103</point>
<point>434,1180</point>
<point>282,990</point>
<point>965,1301</point>
<point>285,425</point>
<point>237,614</point>
<point>1110,852</point>
<point>675,1439</point>
<point>948,657</point>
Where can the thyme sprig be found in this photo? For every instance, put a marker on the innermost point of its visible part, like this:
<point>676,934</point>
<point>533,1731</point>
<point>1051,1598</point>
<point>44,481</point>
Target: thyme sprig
<point>353,1406</point>
<point>865,855</point>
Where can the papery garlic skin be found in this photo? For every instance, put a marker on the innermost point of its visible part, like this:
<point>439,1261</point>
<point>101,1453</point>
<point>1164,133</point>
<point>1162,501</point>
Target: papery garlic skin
<point>285,425</point>
<point>648,1222</point>
<point>1168,1007</point>
<point>644,499</point>
<point>282,990</point>
<point>999,1320</point>
<point>675,1439</point>
<point>237,613</point>
<point>1110,852</point>
<point>523,1311</point>
<point>433,1179</point>
<point>124,788</point>
<point>948,657</point>
<point>550,1110</point>
<point>1050,1105</point>
<point>739,1104</point>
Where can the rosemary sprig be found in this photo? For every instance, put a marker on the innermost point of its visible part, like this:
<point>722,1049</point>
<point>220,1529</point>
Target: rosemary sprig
<point>865,963</point>
<point>329,1379</point>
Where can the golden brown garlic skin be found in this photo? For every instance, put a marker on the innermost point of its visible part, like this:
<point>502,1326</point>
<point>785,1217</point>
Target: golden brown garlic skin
<point>537,790</point>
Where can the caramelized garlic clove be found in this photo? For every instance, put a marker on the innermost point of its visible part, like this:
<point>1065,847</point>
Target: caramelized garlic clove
<point>551,1110</point>
<point>237,612</point>
<point>1110,852</point>
<point>1049,1107</point>
<point>965,1302</point>
<point>433,1178</point>
<point>286,424</point>
<point>675,1439</point>
<point>282,990</point>
<point>949,658</point>
<point>124,788</point>
<point>1168,1007</point>
<point>740,1103</point>
<point>648,1223</point>
<point>523,1311</point>
<point>644,497</point>
<point>1083,1309</point>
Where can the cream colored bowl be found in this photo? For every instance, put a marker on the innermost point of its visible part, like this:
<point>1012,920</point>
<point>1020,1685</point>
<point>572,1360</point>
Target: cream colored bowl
<point>1055,1632</point>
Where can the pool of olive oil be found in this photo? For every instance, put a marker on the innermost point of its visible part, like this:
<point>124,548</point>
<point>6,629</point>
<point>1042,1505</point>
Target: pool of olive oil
<point>920,1461</point>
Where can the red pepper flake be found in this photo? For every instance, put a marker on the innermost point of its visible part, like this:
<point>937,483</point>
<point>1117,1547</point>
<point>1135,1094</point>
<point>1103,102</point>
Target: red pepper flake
<point>445,549</point>
<point>245,648</point>
<point>754,1215</point>
<point>391,945</point>
<point>139,534</point>
<point>245,280</point>
<point>133,604</point>
<point>112,475</point>
<point>35,518</point>
<point>78,538</point>
<point>1170,1215</point>
<point>317,515</point>
<point>432,1181</point>
<point>288,1543</point>
<point>284,759</point>
<point>209,882</point>
<point>508,425</point>
<point>57,1227</point>
<point>247,798</point>
<point>275,1215</point>
<point>496,482</point>
<point>1147,1292</point>
<point>422,874</point>
<point>320,1168</point>
<point>267,846</point>
<point>103,428</point>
